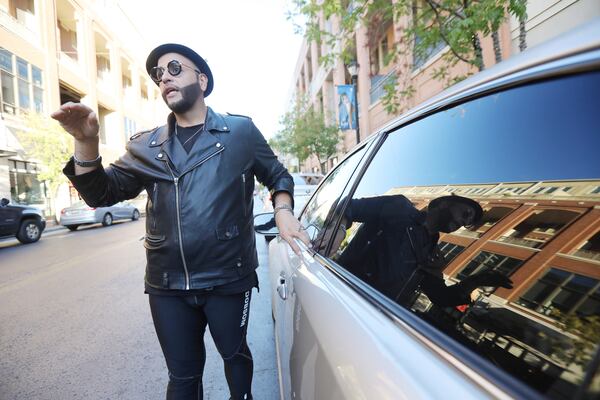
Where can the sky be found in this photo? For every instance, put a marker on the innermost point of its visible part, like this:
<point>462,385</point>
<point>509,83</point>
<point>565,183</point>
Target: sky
<point>249,45</point>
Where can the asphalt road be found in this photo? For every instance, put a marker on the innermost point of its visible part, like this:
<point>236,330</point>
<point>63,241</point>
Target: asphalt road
<point>75,323</point>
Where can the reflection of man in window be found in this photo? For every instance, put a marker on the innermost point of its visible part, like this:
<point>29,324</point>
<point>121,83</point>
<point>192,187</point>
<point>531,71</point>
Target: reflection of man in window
<point>395,249</point>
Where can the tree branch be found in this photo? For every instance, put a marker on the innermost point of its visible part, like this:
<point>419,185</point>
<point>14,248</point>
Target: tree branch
<point>437,18</point>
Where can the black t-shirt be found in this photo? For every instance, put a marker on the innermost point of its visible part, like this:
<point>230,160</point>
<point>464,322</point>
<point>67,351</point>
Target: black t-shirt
<point>187,135</point>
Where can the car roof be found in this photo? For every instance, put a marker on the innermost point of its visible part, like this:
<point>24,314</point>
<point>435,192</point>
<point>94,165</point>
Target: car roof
<point>580,40</point>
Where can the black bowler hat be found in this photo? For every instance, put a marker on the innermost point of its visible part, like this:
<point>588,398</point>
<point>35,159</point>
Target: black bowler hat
<point>459,199</point>
<point>155,54</point>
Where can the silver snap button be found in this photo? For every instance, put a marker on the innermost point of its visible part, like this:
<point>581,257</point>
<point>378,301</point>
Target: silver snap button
<point>227,234</point>
<point>153,142</point>
<point>218,144</point>
<point>225,127</point>
<point>239,264</point>
<point>159,155</point>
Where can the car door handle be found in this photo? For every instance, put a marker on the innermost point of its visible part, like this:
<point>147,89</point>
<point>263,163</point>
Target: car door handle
<point>282,289</point>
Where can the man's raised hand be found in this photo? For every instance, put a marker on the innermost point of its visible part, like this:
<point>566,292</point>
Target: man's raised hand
<point>79,120</point>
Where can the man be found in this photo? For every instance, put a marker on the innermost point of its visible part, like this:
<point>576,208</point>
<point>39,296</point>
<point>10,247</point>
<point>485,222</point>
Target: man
<point>396,251</point>
<point>198,170</point>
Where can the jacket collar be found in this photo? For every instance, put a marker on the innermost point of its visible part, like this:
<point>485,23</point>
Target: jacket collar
<point>214,123</point>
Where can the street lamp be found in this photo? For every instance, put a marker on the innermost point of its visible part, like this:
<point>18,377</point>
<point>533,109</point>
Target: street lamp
<point>353,68</point>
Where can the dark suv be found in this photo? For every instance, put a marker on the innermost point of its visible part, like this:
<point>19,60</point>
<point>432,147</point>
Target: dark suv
<point>25,222</point>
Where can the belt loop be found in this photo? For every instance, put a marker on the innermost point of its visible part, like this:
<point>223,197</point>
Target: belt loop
<point>165,280</point>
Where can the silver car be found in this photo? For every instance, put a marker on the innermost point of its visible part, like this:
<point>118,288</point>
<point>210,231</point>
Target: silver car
<point>305,185</point>
<point>81,214</point>
<point>520,139</point>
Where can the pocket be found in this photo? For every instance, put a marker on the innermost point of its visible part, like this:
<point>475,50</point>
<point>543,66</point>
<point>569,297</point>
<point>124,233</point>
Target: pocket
<point>228,233</point>
<point>154,242</point>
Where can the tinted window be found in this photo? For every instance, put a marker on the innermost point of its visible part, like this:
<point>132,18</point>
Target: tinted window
<point>326,198</point>
<point>519,286</point>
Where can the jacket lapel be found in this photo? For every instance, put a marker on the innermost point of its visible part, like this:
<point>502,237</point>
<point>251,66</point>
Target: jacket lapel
<point>206,145</point>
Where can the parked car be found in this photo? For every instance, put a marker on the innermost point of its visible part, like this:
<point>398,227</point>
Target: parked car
<point>305,184</point>
<point>81,214</point>
<point>26,223</point>
<point>522,139</point>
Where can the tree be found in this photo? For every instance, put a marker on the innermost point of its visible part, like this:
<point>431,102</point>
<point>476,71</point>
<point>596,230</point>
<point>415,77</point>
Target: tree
<point>46,141</point>
<point>306,133</point>
<point>457,24</point>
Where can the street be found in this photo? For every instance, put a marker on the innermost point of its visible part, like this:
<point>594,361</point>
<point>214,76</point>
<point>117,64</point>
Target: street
<point>75,322</point>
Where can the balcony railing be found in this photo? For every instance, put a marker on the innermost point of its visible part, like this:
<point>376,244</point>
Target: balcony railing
<point>378,83</point>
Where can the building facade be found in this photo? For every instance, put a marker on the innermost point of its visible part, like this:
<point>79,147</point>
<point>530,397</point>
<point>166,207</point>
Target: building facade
<point>53,52</point>
<point>545,20</point>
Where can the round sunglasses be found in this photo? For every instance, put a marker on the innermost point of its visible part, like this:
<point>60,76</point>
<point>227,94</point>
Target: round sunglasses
<point>174,68</point>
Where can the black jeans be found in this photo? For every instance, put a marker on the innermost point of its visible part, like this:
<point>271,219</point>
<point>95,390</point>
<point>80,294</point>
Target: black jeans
<point>180,323</point>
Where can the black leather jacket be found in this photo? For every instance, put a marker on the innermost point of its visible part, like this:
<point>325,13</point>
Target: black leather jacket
<point>199,224</point>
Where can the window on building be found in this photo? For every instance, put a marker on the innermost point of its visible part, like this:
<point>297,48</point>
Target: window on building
<point>18,90</point>
<point>129,127</point>
<point>491,215</point>
<point>7,80</point>
<point>487,261</point>
<point>68,41</point>
<point>590,248</point>
<point>25,188</point>
<point>538,228</point>
<point>449,250</point>
<point>563,291</point>
<point>24,84</point>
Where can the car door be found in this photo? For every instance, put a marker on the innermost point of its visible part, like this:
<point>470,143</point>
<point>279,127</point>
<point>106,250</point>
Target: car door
<point>525,150</point>
<point>538,189</point>
<point>285,266</point>
<point>9,220</point>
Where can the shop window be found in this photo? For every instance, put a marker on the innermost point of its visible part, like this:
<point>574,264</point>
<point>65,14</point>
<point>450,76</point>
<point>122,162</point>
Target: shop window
<point>25,188</point>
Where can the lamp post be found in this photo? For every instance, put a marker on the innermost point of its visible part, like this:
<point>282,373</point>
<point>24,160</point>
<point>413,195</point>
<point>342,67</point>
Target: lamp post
<point>353,68</point>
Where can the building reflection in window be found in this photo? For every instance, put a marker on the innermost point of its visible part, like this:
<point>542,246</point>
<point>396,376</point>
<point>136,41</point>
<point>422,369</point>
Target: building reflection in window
<point>539,228</point>
<point>491,215</point>
<point>590,248</point>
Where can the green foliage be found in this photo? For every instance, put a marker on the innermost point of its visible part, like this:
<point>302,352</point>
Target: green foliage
<point>45,140</point>
<point>306,133</point>
<point>586,331</point>
<point>457,24</point>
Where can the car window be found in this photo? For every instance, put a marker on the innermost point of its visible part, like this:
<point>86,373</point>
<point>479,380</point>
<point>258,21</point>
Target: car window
<point>327,196</point>
<point>484,220</point>
<point>298,180</point>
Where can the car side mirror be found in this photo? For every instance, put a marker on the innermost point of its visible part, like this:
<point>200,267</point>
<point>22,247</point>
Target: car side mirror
<point>4,202</point>
<point>265,224</point>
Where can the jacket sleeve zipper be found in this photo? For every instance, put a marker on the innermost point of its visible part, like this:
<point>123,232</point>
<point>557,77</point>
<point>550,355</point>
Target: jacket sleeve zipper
<point>154,200</point>
<point>245,209</point>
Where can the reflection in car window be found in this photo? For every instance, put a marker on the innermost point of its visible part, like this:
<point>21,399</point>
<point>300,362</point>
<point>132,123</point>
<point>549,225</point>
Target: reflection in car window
<point>326,198</point>
<point>484,221</point>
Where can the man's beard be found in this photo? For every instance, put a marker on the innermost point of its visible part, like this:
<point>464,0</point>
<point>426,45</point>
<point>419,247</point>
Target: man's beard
<point>189,95</point>
<point>446,223</point>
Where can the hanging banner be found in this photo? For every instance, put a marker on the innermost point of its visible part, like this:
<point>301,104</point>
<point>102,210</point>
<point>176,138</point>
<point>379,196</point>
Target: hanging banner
<point>346,107</point>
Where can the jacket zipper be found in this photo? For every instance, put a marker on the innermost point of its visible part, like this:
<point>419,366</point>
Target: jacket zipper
<point>176,182</point>
<point>185,269</point>
<point>244,208</point>
<point>154,199</point>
